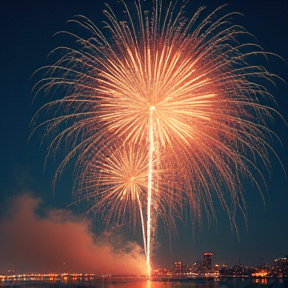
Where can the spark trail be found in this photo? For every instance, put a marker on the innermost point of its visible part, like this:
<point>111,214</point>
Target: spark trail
<point>150,183</point>
<point>160,113</point>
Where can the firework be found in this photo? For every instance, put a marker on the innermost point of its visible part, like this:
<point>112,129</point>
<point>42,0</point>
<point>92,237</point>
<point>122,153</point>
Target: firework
<point>160,112</point>
<point>117,184</point>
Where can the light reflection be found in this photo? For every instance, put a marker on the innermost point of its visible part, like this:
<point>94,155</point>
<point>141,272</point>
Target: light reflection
<point>110,281</point>
<point>260,280</point>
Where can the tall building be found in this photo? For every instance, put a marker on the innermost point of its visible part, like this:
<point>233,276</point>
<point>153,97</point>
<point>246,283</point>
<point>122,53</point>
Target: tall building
<point>207,261</point>
<point>238,268</point>
<point>178,267</point>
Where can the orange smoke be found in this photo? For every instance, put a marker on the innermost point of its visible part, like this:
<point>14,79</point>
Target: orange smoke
<point>59,242</point>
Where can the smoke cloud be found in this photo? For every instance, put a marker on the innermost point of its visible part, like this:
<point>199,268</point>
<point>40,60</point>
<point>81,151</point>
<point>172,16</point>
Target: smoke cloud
<point>58,242</point>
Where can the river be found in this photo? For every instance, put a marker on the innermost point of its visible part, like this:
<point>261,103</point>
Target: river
<point>216,283</point>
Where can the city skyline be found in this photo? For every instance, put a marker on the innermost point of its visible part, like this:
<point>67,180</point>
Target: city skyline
<point>27,31</point>
<point>274,268</point>
<point>260,262</point>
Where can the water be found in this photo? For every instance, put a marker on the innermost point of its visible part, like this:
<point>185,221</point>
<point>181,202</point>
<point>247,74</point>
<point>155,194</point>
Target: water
<point>122,283</point>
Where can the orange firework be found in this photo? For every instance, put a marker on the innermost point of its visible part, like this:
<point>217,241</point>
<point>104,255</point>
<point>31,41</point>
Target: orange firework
<point>160,112</point>
<point>116,185</point>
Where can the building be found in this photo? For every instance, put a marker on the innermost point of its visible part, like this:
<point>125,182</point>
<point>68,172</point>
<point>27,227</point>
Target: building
<point>281,267</point>
<point>207,262</point>
<point>197,267</point>
<point>178,267</point>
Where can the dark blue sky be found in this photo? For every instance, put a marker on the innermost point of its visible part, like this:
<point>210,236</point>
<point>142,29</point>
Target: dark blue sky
<point>26,38</point>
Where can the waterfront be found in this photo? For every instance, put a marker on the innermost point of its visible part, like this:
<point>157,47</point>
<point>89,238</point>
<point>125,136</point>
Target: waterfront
<point>123,282</point>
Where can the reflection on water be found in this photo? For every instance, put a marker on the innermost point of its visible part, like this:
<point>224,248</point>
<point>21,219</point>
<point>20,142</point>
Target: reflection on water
<point>123,283</point>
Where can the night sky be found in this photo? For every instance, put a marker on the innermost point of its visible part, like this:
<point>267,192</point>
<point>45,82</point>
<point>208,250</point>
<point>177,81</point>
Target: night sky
<point>55,238</point>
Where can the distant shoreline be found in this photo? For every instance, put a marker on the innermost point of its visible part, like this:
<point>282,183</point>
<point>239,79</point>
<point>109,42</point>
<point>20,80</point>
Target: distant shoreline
<point>67,277</point>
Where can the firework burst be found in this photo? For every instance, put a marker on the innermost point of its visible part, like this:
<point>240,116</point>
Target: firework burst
<point>159,113</point>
